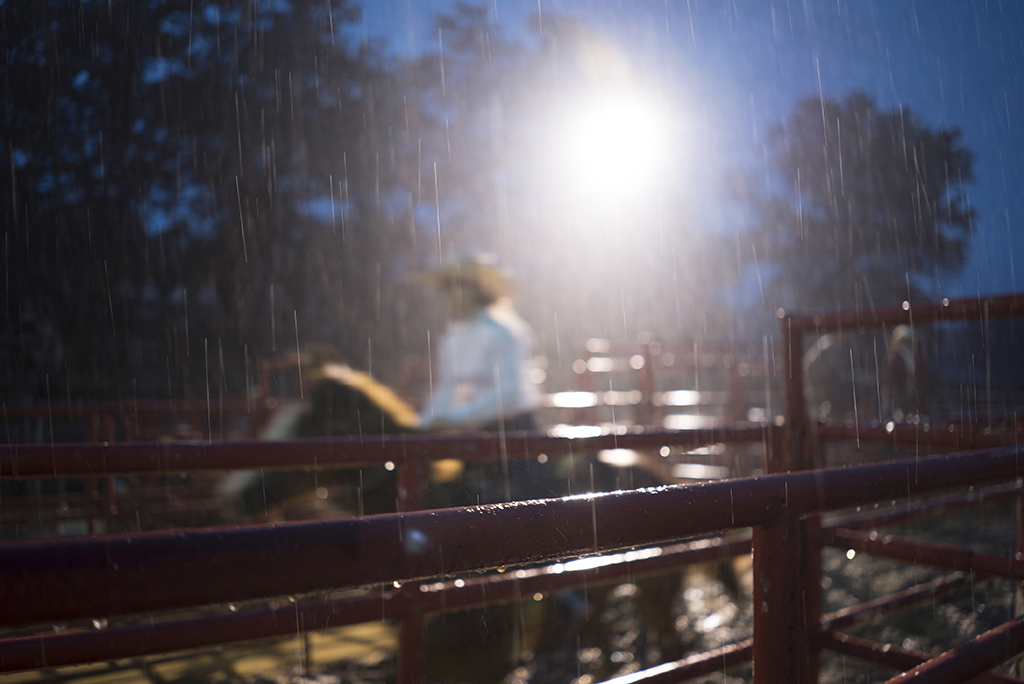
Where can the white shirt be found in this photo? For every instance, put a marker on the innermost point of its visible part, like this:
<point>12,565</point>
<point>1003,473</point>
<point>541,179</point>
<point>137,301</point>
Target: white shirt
<point>485,366</point>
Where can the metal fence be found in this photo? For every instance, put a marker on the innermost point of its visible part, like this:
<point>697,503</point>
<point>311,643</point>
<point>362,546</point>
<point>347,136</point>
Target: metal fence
<point>411,557</point>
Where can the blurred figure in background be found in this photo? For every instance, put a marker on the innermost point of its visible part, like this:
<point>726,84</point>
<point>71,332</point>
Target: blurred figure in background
<point>484,381</point>
<point>900,374</point>
<point>828,379</point>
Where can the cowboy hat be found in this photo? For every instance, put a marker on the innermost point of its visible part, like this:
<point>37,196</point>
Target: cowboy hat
<point>480,271</point>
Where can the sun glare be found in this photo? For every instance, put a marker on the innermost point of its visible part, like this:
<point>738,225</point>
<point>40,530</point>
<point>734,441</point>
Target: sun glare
<point>615,147</point>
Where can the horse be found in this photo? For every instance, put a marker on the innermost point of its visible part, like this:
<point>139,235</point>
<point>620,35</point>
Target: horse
<point>346,402</point>
<point>342,402</point>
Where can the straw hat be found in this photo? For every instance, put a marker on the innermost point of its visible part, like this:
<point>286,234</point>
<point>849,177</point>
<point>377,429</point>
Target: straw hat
<point>479,271</point>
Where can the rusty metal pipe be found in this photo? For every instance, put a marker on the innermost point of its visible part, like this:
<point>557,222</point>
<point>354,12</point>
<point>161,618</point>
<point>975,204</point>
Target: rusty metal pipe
<point>588,572</point>
<point>955,310</point>
<point>892,515</point>
<point>68,460</point>
<point>60,580</point>
<point>52,650</point>
<point>894,656</point>
<point>974,658</point>
<point>929,553</point>
<point>955,436</point>
<point>139,407</point>
<point>410,648</point>
<point>697,665</point>
<point>884,605</point>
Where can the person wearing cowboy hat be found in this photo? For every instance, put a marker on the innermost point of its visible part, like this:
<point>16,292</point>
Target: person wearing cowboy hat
<point>486,354</point>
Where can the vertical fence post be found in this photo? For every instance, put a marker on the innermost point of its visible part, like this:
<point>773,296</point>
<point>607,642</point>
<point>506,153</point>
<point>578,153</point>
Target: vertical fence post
<point>588,414</point>
<point>1020,521</point>
<point>410,648</point>
<point>411,485</point>
<point>1018,595</point>
<point>810,600</point>
<point>411,497</point>
<point>787,568</point>
<point>646,412</point>
<point>775,446</point>
<point>93,490</point>
<point>110,504</point>
<point>777,604</point>
<point>793,403</point>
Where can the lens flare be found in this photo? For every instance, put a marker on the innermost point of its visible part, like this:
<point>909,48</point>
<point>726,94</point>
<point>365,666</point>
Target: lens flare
<point>615,147</point>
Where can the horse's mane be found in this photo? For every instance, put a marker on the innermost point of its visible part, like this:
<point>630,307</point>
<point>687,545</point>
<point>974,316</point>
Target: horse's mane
<point>344,401</point>
<point>383,396</point>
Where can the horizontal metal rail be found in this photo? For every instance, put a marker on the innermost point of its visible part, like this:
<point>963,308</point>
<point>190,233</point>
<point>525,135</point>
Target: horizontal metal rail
<point>920,593</point>
<point>52,650</point>
<point>895,657</point>
<point>950,310</point>
<point>893,515</point>
<point>951,435</point>
<point>79,578</point>
<point>697,665</point>
<point>68,460</point>
<point>130,641</point>
<point>974,658</point>
<point>135,407</point>
<point>143,418</point>
<point>934,554</point>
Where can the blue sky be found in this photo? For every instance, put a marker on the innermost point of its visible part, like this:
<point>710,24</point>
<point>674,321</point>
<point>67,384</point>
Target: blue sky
<point>956,63</point>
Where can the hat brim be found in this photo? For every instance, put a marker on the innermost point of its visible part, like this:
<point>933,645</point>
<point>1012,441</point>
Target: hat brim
<point>485,278</point>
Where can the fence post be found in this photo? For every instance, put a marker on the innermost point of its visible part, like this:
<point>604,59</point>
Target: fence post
<point>410,648</point>
<point>787,567</point>
<point>646,412</point>
<point>110,505</point>
<point>777,602</point>
<point>412,479</point>
<point>588,414</point>
<point>93,489</point>
<point>1018,594</point>
<point>809,631</point>
<point>775,446</point>
<point>793,403</point>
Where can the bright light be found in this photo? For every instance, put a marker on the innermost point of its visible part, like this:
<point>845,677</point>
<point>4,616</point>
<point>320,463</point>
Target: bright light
<point>616,146</point>
<point>572,399</point>
<point>624,458</point>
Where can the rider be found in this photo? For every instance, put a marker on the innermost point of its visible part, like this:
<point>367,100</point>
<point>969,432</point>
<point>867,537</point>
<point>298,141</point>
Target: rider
<point>486,354</point>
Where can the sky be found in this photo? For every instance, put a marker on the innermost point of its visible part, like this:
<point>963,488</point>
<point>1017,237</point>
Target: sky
<point>956,63</point>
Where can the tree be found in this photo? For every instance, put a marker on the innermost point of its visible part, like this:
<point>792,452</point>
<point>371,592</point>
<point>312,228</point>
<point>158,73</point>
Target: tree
<point>865,207</point>
<point>73,171</point>
<point>178,175</point>
<point>296,138</point>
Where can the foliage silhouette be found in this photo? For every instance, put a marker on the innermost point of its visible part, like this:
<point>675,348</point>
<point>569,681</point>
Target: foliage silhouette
<point>865,208</point>
<point>193,183</point>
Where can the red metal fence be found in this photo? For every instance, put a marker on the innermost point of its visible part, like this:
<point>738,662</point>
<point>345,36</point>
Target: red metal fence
<point>73,579</point>
<point>804,446</point>
<point>82,578</point>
